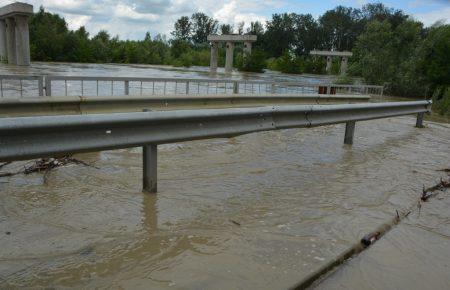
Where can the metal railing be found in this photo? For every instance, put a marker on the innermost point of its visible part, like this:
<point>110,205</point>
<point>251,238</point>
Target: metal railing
<point>13,86</point>
<point>21,85</point>
<point>110,86</point>
<point>33,137</point>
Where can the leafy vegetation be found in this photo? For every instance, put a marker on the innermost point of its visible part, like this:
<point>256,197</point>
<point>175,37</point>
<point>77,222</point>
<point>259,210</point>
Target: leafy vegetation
<point>389,47</point>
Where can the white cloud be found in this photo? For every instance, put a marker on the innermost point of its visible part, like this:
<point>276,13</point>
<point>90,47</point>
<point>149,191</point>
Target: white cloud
<point>128,12</point>
<point>133,18</point>
<point>76,21</point>
<point>230,13</point>
<point>429,18</point>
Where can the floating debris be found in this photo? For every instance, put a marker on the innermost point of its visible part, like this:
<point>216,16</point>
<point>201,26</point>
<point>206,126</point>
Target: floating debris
<point>235,222</point>
<point>371,238</point>
<point>45,165</point>
<point>4,164</point>
<point>429,192</point>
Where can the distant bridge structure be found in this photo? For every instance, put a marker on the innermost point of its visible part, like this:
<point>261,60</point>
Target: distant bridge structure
<point>344,55</point>
<point>230,40</point>
<point>14,33</point>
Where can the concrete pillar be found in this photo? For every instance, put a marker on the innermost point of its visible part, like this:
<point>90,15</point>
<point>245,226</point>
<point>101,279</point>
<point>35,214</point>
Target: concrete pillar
<point>229,57</point>
<point>214,56</point>
<point>349,132</point>
<point>3,53</point>
<point>419,121</point>
<point>22,40</point>
<point>247,47</point>
<point>150,158</point>
<point>344,62</point>
<point>329,63</point>
<point>11,40</point>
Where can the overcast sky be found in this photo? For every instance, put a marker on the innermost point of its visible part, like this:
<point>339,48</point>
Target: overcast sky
<point>132,18</point>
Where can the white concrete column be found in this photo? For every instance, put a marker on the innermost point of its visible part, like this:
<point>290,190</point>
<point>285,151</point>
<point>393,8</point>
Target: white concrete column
<point>248,47</point>
<point>22,40</point>
<point>344,62</point>
<point>11,40</point>
<point>329,63</point>
<point>229,57</point>
<point>214,56</point>
<point>3,53</point>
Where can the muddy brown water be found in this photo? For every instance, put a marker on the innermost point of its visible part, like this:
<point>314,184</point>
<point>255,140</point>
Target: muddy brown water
<point>259,211</point>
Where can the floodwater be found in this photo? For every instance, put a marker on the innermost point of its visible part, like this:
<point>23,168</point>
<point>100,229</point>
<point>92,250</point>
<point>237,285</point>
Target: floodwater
<point>29,88</point>
<point>260,211</point>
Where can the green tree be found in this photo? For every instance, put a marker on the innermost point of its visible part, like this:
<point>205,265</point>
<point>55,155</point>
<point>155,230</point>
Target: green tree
<point>305,34</point>
<point>280,35</point>
<point>202,26</point>
<point>48,34</point>
<point>226,29</point>
<point>182,29</point>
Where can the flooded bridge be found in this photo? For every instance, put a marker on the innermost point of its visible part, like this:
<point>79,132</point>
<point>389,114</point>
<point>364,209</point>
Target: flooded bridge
<point>247,186</point>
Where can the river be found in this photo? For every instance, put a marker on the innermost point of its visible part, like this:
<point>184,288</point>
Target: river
<point>260,211</point>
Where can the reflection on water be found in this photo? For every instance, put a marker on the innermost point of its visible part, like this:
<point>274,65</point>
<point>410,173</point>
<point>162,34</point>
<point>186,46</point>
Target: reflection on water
<point>259,211</point>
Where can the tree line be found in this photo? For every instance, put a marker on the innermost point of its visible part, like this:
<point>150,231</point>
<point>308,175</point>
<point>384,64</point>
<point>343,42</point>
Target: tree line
<point>390,48</point>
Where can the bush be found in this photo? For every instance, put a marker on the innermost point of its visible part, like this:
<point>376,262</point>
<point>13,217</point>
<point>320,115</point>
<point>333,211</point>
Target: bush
<point>344,80</point>
<point>255,62</point>
<point>441,100</point>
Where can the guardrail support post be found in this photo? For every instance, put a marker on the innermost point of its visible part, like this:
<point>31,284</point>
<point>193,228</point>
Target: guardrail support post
<point>48,86</point>
<point>187,88</point>
<point>349,132</point>
<point>127,88</point>
<point>150,156</point>
<point>419,122</point>
<point>235,88</point>
<point>41,86</point>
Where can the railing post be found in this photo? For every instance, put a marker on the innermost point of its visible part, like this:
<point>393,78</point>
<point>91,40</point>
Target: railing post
<point>150,156</point>
<point>235,88</point>
<point>127,88</point>
<point>419,121</point>
<point>187,88</point>
<point>48,86</point>
<point>349,132</point>
<point>41,86</point>
<point>272,88</point>
<point>328,90</point>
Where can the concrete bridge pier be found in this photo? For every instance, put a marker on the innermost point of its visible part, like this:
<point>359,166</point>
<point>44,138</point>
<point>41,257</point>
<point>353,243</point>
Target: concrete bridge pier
<point>3,53</point>
<point>11,40</point>
<point>344,62</point>
<point>247,48</point>
<point>22,40</point>
<point>229,57</point>
<point>214,56</point>
<point>329,64</point>
<point>14,33</point>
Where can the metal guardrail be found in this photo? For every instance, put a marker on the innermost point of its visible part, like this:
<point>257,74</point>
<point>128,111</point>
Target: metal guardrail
<point>16,83</point>
<point>120,104</point>
<point>33,137</point>
<point>110,86</point>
